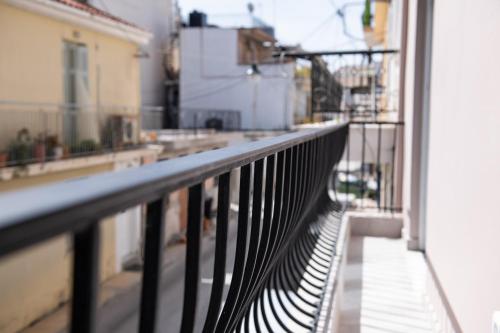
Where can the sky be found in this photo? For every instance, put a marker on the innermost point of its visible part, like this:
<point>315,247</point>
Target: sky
<point>312,23</point>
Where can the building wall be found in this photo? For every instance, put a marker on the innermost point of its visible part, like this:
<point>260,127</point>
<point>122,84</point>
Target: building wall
<point>32,61</point>
<point>462,220</point>
<point>37,280</point>
<point>211,79</point>
<point>412,119</point>
<point>380,18</point>
<point>392,61</point>
<point>156,16</point>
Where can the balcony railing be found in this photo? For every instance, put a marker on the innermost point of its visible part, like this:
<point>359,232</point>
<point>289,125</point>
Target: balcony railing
<point>37,133</point>
<point>286,236</point>
<point>367,177</point>
<point>362,86</point>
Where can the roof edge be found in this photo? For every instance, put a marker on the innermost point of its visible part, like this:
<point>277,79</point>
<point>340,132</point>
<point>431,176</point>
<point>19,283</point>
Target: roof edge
<point>83,19</point>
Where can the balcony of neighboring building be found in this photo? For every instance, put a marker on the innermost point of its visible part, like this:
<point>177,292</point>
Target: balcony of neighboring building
<point>44,134</point>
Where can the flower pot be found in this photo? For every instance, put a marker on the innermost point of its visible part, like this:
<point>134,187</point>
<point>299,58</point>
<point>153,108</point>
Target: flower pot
<point>58,153</point>
<point>3,159</point>
<point>66,152</point>
<point>40,152</point>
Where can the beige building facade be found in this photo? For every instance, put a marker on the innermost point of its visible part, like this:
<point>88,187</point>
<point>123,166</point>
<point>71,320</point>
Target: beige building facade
<point>58,57</point>
<point>67,68</point>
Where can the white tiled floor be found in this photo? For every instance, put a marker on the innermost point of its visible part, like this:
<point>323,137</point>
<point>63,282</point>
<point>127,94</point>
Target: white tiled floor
<point>384,288</point>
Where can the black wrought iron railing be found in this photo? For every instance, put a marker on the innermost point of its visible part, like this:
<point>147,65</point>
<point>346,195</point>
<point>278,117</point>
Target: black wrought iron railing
<point>362,87</point>
<point>369,176</point>
<point>286,231</point>
<point>362,84</point>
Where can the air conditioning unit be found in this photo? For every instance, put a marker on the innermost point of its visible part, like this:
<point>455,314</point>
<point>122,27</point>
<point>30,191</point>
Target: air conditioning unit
<point>129,130</point>
<point>122,131</point>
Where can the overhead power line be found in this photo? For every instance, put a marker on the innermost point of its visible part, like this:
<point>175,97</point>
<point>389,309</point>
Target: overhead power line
<point>214,91</point>
<point>318,28</point>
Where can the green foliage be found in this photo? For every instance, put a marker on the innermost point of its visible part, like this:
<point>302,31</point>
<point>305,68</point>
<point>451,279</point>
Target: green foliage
<point>85,146</point>
<point>367,14</point>
<point>355,188</point>
<point>20,150</point>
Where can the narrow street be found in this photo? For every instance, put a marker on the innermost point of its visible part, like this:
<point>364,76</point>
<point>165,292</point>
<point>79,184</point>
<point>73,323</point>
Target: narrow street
<point>121,314</point>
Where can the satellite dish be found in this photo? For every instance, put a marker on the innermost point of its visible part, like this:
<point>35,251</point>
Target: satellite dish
<point>250,7</point>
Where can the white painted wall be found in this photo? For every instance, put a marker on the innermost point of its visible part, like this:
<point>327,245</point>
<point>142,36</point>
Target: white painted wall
<point>211,79</point>
<point>155,16</point>
<point>128,226</point>
<point>371,143</point>
<point>413,129</point>
<point>463,221</point>
<point>393,41</point>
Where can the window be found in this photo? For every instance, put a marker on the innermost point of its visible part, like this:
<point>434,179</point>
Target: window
<point>76,87</point>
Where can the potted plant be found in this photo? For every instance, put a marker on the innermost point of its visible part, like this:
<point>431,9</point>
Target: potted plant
<point>4,157</point>
<point>39,149</point>
<point>85,147</point>
<point>54,149</point>
<point>89,146</point>
<point>21,149</point>
<point>66,151</point>
<point>367,16</point>
<point>370,37</point>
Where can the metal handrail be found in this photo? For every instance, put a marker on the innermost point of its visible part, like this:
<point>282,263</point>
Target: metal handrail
<point>293,179</point>
<point>295,54</point>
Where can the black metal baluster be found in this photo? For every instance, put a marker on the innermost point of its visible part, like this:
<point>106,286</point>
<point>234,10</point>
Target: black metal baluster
<point>192,274</point>
<point>386,186</point>
<point>310,175</point>
<point>270,298</point>
<point>313,171</point>
<point>298,188</point>
<point>255,312</point>
<point>286,198</point>
<point>290,195</point>
<point>347,164</point>
<point>253,246</point>
<point>379,172</point>
<point>278,199</point>
<point>241,249</point>
<point>266,222</point>
<point>303,190</point>
<point>316,175</point>
<point>305,185</point>
<point>307,174</point>
<point>293,191</point>
<point>155,230</point>
<point>393,165</point>
<point>86,243</point>
<point>363,139</point>
<point>223,203</point>
<point>261,262</point>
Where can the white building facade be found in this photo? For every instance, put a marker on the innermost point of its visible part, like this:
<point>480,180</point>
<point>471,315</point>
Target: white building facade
<point>453,155</point>
<point>213,78</point>
<point>159,18</point>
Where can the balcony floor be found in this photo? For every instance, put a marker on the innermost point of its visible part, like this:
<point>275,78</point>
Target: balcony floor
<point>384,288</point>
